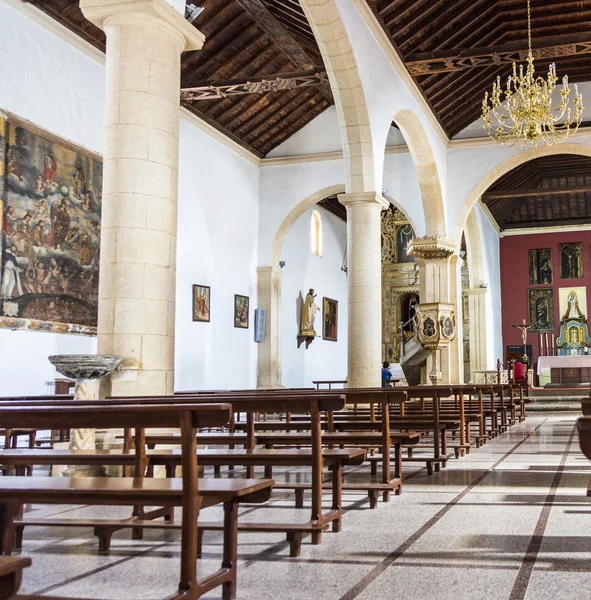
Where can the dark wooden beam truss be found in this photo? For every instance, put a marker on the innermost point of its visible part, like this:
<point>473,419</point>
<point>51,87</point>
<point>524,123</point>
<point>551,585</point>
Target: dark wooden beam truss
<point>286,43</point>
<point>254,85</point>
<point>458,60</point>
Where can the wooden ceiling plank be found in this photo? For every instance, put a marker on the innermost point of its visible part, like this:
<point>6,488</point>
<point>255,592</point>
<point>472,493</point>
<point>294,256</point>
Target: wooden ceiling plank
<point>269,116</point>
<point>278,125</point>
<point>537,192</point>
<point>211,67</point>
<point>443,20</point>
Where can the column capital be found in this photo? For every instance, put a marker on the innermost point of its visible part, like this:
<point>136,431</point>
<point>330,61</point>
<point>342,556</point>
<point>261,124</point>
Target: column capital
<point>475,291</point>
<point>270,270</point>
<point>98,11</point>
<point>359,198</point>
<point>431,248</point>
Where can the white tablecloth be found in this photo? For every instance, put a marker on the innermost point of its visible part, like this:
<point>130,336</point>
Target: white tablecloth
<point>563,362</point>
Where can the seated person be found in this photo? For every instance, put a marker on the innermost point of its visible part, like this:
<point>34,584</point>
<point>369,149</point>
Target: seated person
<point>519,371</point>
<point>386,375</point>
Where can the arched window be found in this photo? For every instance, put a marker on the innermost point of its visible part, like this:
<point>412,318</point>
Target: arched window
<point>316,233</point>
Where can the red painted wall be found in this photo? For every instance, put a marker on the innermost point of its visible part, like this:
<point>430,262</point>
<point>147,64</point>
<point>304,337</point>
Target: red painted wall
<point>515,280</point>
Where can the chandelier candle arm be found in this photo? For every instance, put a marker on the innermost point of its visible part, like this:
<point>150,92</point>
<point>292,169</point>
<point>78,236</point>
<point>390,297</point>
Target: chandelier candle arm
<point>523,112</point>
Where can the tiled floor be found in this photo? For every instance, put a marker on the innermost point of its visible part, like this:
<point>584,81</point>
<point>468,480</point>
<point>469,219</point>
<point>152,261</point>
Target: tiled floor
<point>511,520</point>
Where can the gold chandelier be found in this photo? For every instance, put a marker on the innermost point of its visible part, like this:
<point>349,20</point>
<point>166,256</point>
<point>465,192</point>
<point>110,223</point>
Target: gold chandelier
<point>525,114</point>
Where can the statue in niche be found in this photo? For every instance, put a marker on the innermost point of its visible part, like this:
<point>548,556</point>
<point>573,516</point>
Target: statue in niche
<point>309,310</point>
<point>573,311</point>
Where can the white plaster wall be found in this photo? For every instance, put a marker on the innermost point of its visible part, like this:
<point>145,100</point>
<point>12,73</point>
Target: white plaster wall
<point>400,179</point>
<point>303,270</point>
<point>385,92</point>
<point>283,187</point>
<point>322,134</point>
<point>217,246</point>
<point>492,276</point>
<point>56,86</point>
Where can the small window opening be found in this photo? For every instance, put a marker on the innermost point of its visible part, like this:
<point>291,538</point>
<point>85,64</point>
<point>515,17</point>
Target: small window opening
<point>316,233</point>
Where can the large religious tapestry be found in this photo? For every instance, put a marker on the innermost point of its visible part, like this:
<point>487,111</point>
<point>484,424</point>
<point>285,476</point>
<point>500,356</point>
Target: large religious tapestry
<point>541,309</point>
<point>50,193</point>
<point>540,266</point>
<point>571,261</point>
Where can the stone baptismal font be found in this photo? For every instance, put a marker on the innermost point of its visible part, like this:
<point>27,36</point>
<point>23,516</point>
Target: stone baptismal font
<point>86,370</point>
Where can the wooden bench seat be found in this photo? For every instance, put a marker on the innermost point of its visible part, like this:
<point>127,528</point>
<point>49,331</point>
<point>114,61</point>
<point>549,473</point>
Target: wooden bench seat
<point>119,491</point>
<point>11,571</point>
<point>14,491</point>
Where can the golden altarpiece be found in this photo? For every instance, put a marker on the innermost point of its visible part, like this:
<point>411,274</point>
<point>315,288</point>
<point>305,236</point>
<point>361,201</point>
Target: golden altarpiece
<point>400,281</point>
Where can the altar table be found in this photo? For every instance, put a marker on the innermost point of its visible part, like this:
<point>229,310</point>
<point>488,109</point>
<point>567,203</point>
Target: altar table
<point>566,369</point>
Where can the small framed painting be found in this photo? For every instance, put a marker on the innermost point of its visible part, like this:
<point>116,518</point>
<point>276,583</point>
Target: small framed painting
<point>241,306</point>
<point>201,303</point>
<point>330,319</point>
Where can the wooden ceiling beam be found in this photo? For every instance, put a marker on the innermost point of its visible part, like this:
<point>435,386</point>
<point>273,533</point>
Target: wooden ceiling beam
<point>536,192</point>
<point>286,43</point>
<point>254,85</point>
<point>470,58</point>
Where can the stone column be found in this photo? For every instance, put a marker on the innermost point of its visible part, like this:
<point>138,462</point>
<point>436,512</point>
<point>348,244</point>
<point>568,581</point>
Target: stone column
<point>364,269</point>
<point>439,282</point>
<point>269,295</point>
<point>145,39</point>
<point>477,311</point>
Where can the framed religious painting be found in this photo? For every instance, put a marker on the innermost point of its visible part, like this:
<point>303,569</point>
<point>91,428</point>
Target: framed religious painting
<point>330,319</point>
<point>241,309</point>
<point>541,309</point>
<point>404,235</point>
<point>202,303</point>
<point>540,267</point>
<point>50,199</point>
<point>571,261</point>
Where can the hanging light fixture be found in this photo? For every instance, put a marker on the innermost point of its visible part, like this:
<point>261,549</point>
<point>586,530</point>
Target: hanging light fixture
<point>522,112</point>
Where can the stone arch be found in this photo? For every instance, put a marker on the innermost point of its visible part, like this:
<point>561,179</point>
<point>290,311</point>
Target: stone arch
<point>506,166</point>
<point>296,213</point>
<point>343,73</point>
<point>474,247</point>
<point>477,298</point>
<point>403,210</point>
<point>428,175</point>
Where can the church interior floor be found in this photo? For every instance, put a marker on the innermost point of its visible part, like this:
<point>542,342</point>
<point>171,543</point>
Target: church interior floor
<point>510,521</point>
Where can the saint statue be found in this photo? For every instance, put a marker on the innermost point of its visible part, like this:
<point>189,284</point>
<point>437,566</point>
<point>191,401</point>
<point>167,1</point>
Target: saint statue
<point>309,310</point>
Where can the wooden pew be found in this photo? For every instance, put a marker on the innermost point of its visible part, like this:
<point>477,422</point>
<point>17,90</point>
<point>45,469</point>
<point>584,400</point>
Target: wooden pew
<point>316,459</point>
<point>185,492</point>
<point>11,572</point>
<point>584,428</point>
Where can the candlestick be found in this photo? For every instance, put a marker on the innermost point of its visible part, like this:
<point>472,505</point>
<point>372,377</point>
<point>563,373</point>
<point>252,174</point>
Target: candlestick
<point>546,343</point>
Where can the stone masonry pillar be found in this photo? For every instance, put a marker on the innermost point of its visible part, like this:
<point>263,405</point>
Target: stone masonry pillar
<point>439,281</point>
<point>145,39</point>
<point>269,295</point>
<point>364,269</point>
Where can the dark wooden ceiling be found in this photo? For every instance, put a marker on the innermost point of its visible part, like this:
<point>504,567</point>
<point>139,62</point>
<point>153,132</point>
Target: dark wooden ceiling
<point>453,48</point>
<point>423,30</point>
<point>553,190</point>
<point>244,39</point>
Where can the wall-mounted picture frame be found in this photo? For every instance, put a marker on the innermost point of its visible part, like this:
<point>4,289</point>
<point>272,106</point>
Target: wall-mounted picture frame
<point>571,261</point>
<point>540,266</point>
<point>330,319</point>
<point>541,309</point>
<point>241,311</point>
<point>201,303</point>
